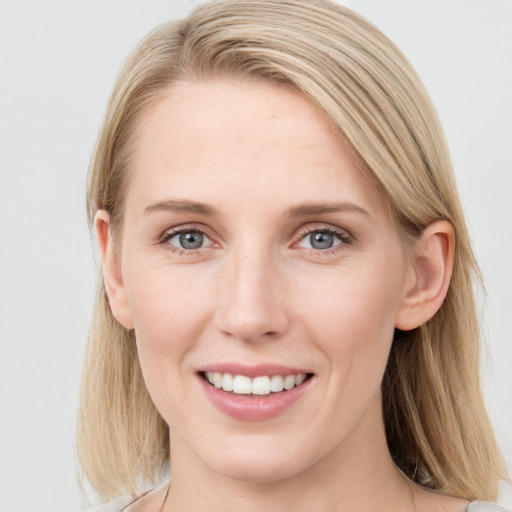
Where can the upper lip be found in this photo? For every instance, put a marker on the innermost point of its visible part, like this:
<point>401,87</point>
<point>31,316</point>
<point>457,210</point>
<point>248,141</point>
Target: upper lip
<point>252,371</point>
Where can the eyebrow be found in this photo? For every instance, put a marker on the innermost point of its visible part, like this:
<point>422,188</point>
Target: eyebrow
<point>301,210</point>
<point>182,206</point>
<point>308,209</point>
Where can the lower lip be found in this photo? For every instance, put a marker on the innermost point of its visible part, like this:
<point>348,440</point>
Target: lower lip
<point>252,407</point>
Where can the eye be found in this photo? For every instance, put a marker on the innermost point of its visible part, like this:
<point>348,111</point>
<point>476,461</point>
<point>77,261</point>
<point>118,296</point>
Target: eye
<point>323,239</point>
<point>188,240</point>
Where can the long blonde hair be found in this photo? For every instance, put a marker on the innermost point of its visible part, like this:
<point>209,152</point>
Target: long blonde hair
<point>437,428</point>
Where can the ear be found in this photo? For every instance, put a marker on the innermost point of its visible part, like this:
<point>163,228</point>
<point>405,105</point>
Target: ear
<point>112,276</point>
<point>432,264</point>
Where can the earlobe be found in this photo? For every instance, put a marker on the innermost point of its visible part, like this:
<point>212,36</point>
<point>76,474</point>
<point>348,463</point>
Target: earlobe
<point>432,265</point>
<point>112,276</point>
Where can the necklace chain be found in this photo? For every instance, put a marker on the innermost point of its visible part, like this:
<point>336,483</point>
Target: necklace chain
<point>165,498</point>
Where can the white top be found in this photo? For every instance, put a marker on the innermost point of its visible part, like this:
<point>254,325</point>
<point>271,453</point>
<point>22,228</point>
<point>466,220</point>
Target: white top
<point>480,506</point>
<point>114,506</point>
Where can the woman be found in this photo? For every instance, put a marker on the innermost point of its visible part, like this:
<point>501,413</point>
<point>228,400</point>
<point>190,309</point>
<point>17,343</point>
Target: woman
<point>286,312</point>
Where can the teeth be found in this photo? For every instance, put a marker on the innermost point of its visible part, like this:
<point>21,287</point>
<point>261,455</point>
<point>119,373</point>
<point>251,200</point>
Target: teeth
<point>242,385</point>
<point>217,379</point>
<point>262,385</point>
<point>300,379</point>
<point>276,383</point>
<point>227,382</point>
<point>289,382</point>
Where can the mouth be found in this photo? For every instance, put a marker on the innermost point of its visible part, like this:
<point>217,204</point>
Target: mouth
<point>260,386</point>
<point>255,392</point>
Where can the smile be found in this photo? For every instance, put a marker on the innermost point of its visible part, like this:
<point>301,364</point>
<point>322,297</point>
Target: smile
<point>261,385</point>
<point>254,393</point>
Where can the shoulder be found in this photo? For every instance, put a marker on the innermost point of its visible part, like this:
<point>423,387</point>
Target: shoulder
<point>117,505</point>
<point>481,506</point>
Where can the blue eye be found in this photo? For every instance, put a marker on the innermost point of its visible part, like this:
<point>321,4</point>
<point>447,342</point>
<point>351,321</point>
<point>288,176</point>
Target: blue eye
<point>189,240</point>
<point>321,240</point>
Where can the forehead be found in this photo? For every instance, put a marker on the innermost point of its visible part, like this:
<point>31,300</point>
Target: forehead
<point>212,114</point>
<point>224,139</point>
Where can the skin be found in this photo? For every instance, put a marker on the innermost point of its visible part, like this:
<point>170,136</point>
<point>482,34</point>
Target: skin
<point>256,291</point>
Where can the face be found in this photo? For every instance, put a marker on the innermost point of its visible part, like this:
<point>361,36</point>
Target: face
<point>256,255</point>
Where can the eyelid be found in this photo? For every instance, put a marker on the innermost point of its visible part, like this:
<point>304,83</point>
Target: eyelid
<point>170,233</point>
<point>344,235</point>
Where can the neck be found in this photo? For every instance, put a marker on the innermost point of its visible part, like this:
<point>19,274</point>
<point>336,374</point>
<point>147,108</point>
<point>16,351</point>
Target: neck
<point>359,474</point>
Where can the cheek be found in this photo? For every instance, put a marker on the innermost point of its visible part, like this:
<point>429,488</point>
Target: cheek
<point>165,303</point>
<point>169,311</point>
<point>352,323</point>
<point>351,315</point>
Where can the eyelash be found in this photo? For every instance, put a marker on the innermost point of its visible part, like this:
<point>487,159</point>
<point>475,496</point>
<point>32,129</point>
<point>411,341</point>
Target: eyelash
<point>171,233</point>
<point>344,237</point>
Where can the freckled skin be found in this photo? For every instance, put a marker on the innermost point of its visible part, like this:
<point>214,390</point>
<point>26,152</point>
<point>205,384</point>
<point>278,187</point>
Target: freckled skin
<point>257,292</point>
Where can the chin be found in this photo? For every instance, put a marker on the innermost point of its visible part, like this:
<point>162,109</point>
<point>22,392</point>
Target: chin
<point>265,473</point>
<point>258,465</point>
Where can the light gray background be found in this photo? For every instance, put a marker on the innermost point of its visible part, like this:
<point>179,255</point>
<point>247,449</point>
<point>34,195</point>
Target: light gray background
<point>58,62</point>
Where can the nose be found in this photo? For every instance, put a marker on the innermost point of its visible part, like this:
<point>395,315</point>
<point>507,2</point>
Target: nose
<point>251,299</point>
